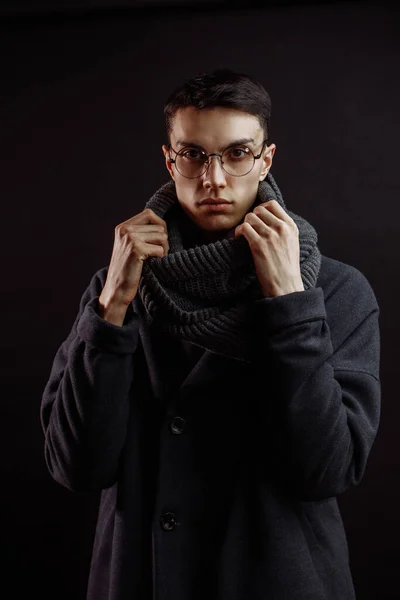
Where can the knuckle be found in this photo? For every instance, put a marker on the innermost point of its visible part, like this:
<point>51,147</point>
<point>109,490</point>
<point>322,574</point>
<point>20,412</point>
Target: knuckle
<point>125,232</point>
<point>282,228</point>
<point>133,246</point>
<point>119,230</point>
<point>269,233</point>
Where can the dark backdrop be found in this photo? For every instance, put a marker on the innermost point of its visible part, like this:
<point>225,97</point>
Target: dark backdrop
<point>81,134</point>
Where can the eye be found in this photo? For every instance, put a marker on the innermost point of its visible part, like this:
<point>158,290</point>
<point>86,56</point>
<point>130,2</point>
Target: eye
<point>192,153</point>
<point>238,152</point>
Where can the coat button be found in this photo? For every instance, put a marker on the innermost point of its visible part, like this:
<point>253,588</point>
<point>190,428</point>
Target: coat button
<point>178,425</point>
<point>168,521</point>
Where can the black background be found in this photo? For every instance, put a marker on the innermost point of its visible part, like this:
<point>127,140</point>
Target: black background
<point>81,122</point>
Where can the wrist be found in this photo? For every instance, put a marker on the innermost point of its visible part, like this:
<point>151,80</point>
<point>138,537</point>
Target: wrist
<point>272,292</point>
<point>112,309</point>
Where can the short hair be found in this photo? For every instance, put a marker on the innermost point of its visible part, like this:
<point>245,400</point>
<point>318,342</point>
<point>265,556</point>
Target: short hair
<point>222,87</point>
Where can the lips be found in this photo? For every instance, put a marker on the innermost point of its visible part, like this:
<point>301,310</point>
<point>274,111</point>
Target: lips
<point>213,201</point>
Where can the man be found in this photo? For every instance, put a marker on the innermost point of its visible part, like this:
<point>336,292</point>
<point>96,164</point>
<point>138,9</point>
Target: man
<point>220,385</point>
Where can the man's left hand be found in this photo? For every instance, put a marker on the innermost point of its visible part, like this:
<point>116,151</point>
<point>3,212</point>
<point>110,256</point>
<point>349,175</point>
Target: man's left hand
<point>273,238</point>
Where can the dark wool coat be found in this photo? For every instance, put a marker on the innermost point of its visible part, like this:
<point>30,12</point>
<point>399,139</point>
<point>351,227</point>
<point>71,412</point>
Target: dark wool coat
<point>218,478</point>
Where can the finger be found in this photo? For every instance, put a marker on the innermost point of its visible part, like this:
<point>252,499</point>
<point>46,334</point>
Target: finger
<point>147,216</point>
<point>141,229</point>
<point>265,216</point>
<point>153,218</point>
<point>249,232</point>
<point>263,221</point>
<point>274,208</point>
<point>273,221</point>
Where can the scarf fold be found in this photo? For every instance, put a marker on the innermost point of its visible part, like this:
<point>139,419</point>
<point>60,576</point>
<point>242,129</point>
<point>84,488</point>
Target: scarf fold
<point>204,293</point>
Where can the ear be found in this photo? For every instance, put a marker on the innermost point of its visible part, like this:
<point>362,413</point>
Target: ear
<point>167,160</point>
<point>267,160</point>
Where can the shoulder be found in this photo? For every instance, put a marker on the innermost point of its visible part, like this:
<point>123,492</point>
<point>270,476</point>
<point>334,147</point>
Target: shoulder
<point>345,287</point>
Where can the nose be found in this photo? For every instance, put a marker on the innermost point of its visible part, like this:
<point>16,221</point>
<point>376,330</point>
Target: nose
<point>214,175</point>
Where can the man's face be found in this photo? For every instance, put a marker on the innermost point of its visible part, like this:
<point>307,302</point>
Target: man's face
<point>214,129</point>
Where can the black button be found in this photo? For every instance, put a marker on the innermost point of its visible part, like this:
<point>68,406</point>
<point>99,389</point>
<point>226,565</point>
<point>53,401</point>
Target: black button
<point>168,521</point>
<point>178,425</point>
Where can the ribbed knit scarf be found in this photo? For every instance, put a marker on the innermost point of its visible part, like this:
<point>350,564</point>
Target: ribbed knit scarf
<point>205,293</point>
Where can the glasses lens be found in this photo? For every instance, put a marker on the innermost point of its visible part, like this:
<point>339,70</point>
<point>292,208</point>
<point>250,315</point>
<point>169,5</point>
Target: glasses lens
<point>191,162</point>
<point>236,161</point>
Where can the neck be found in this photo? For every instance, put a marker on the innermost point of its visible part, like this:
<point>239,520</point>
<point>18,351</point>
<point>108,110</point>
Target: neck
<point>210,237</point>
<point>195,236</point>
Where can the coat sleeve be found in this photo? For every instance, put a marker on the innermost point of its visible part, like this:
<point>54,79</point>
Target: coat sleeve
<point>84,409</point>
<point>324,396</point>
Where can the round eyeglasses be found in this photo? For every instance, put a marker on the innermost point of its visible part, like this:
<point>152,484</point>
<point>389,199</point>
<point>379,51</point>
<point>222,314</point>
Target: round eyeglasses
<point>235,160</point>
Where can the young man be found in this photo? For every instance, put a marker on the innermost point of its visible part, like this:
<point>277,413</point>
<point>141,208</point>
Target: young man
<point>220,385</point>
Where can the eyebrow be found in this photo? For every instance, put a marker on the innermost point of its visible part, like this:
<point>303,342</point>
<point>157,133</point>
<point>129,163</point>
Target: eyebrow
<point>234,143</point>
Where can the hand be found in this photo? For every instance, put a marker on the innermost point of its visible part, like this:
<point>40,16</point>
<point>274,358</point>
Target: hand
<point>273,238</point>
<point>143,235</point>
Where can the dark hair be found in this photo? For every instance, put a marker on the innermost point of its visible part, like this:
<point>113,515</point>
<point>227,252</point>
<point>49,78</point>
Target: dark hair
<point>222,87</point>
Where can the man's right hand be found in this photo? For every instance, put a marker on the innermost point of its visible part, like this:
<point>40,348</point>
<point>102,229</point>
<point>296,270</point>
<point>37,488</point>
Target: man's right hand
<point>135,240</point>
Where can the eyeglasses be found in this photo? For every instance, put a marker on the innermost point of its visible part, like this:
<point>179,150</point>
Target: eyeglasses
<point>235,160</point>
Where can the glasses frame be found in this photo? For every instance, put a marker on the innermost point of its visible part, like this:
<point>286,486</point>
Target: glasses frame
<point>207,162</point>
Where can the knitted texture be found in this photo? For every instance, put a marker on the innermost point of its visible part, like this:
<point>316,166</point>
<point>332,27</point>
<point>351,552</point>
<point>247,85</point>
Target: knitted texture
<point>205,293</point>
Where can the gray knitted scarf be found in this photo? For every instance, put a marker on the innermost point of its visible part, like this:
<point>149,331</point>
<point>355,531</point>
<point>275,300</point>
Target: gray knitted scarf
<point>205,293</point>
